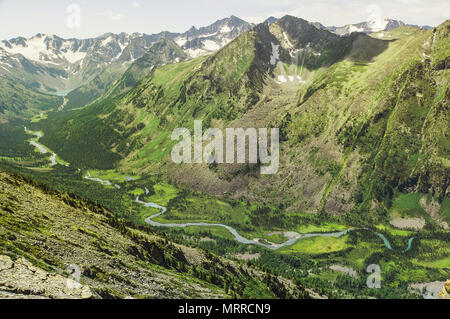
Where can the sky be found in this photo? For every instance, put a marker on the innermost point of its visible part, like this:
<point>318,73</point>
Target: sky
<point>91,18</point>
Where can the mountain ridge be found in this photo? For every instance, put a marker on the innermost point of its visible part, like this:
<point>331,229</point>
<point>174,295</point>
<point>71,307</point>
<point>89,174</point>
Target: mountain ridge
<point>373,26</point>
<point>77,60</point>
<point>81,58</point>
<point>228,95</point>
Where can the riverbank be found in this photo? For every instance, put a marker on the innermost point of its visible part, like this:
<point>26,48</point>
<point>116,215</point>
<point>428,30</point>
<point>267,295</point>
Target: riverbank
<point>54,159</point>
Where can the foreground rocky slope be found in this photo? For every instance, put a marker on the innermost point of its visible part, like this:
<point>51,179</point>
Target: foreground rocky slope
<point>20,279</point>
<point>46,237</point>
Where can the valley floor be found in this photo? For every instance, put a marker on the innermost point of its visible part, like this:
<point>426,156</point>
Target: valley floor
<point>331,262</point>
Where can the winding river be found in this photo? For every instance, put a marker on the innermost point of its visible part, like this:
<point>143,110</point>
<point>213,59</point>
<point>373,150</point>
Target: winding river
<point>41,148</point>
<point>292,237</point>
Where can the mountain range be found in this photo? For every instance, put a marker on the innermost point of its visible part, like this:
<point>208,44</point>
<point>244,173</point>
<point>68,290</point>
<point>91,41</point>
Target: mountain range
<point>50,64</point>
<point>313,93</point>
<point>363,173</point>
<point>64,64</point>
<point>227,86</point>
<point>373,26</point>
<point>53,65</point>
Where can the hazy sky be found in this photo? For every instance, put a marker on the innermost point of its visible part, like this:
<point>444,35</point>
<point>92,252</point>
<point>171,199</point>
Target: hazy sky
<point>26,17</point>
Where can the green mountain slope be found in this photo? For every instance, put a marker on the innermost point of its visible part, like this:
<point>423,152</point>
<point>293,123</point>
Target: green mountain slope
<point>95,88</point>
<point>45,235</point>
<point>119,78</point>
<point>366,123</point>
<point>16,100</point>
<point>161,52</point>
<point>372,129</point>
<point>176,90</point>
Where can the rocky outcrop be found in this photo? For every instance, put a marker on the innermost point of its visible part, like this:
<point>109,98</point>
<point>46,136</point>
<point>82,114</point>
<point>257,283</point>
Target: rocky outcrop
<point>416,223</point>
<point>20,279</point>
<point>432,208</point>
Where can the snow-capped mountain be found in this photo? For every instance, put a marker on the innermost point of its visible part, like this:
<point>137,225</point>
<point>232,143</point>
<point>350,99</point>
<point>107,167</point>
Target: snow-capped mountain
<point>51,63</point>
<point>62,64</point>
<point>372,26</point>
<point>196,42</point>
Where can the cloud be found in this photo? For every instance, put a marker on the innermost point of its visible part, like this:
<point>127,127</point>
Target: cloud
<point>113,16</point>
<point>136,4</point>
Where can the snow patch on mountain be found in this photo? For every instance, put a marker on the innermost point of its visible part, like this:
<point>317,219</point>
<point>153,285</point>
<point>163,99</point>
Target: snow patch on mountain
<point>43,49</point>
<point>275,57</point>
<point>378,25</point>
<point>211,45</point>
<point>107,41</point>
<point>286,38</point>
<point>196,42</point>
<point>195,53</point>
<point>225,29</point>
<point>32,49</point>
<point>1,66</point>
<point>181,41</point>
<point>352,28</point>
<point>372,27</point>
<point>73,57</point>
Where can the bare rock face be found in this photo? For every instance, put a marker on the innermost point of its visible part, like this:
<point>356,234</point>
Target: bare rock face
<point>416,223</point>
<point>20,279</point>
<point>432,208</point>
